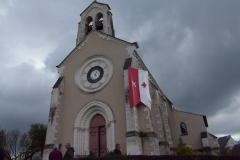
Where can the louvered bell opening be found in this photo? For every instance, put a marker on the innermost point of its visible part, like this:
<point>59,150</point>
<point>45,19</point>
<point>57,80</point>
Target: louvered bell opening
<point>88,28</point>
<point>89,24</point>
<point>99,25</point>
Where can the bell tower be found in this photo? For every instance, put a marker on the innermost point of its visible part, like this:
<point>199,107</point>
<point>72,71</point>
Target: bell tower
<point>97,16</point>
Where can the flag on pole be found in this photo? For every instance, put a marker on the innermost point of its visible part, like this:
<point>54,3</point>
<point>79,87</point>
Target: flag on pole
<point>138,87</point>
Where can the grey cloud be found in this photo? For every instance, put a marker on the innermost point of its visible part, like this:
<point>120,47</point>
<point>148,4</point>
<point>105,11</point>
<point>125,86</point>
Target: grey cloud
<point>203,77</point>
<point>190,47</point>
<point>24,97</point>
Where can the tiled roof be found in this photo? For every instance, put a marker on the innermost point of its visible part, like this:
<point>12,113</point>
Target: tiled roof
<point>58,82</point>
<point>223,141</point>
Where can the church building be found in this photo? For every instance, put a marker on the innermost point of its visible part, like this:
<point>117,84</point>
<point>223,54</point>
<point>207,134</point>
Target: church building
<point>90,101</point>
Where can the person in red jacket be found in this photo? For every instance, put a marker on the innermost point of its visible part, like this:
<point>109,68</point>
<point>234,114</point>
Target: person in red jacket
<point>55,154</point>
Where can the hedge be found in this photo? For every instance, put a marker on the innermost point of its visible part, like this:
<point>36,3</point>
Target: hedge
<point>163,157</point>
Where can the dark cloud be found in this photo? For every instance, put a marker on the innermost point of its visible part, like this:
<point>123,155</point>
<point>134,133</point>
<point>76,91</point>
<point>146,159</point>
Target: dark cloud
<point>190,47</point>
<point>25,96</point>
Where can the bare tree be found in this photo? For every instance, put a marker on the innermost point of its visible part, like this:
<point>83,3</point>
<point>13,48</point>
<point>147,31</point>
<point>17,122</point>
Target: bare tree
<point>12,140</point>
<point>2,138</point>
<point>19,146</point>
<point>24,145</point>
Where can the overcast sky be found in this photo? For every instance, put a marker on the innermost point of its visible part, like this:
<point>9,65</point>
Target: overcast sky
<point>192,48</point>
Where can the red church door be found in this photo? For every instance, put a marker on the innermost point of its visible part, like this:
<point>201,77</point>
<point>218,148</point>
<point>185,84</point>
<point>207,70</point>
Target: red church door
<point>98,142</point>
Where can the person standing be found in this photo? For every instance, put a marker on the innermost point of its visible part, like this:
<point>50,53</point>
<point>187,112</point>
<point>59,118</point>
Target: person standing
<point>117,150</point>
<point>55,154</point>
<point>37,155</point>
<point>70,151</point>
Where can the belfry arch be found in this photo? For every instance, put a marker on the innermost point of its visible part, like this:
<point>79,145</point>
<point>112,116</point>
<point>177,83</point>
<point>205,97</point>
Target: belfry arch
<point>82,126</point>
<point>89,24</point>
<point>97,16</point>
<point>99,21</point>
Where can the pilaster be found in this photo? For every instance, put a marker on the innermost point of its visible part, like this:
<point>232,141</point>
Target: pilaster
<point>52,126</point>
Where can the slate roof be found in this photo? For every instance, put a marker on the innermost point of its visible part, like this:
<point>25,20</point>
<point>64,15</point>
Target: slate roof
<point>58,82</point>
<point>212,135</point>
<point>205,121</point>
<point>223,141</point>
<point>127,63</point>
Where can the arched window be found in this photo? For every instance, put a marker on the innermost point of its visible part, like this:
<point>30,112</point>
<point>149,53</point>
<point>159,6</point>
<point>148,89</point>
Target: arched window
<point>89,24</point>
<point>99,21</point>
<point>183,128</point>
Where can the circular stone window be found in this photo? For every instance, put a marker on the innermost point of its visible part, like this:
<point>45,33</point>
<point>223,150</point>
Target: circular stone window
<point>94,74</point>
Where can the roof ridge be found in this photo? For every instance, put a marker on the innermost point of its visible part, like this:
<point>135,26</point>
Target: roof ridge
<point>98,3</point>
<point>189,112</point>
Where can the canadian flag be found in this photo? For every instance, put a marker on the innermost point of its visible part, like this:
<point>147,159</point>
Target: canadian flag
<point>138,87</point>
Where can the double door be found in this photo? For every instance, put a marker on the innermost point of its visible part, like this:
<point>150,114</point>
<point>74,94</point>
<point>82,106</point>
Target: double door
<point>98,145</point>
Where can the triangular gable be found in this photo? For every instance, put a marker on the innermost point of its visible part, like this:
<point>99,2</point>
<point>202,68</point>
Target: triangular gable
<point>223,140</point>
<point>97,3</point>
<point>103,35</point>
<point>131,47</point>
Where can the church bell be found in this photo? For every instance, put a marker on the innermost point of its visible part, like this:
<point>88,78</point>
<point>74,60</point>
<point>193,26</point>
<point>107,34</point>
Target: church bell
<point>99,25</point>
<point>88,28</point>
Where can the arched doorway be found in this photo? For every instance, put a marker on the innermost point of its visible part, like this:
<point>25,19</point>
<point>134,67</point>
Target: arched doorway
<point>98,143</point>
<point>83,120</point>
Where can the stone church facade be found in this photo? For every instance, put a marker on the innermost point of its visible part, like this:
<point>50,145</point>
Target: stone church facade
<point>90,101</point>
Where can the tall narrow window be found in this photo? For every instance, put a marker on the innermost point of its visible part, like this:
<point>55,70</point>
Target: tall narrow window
<point>183,128</point>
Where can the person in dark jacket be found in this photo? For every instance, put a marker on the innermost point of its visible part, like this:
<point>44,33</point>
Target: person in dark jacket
<point>55,154</point>
<point>117,150</point>
<point>70,151</point>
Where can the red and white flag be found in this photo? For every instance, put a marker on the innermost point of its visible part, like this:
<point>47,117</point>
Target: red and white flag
<point>138,87</point>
